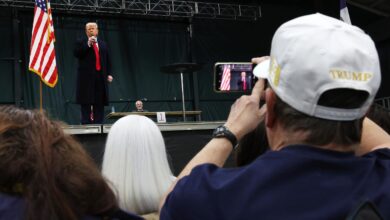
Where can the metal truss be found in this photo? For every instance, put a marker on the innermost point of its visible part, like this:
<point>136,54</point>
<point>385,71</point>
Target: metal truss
<point>163,8</point>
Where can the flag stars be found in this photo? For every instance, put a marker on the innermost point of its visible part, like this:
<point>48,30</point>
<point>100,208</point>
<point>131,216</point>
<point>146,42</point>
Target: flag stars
<point>41,4</point>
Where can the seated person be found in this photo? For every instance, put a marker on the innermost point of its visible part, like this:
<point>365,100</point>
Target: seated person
<point>139,106</point>
<point>135,164</point>
<point>46,174</point>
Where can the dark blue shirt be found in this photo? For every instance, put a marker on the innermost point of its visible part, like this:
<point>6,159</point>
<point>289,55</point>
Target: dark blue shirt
<point>297,182</point>
<point>14,208</point>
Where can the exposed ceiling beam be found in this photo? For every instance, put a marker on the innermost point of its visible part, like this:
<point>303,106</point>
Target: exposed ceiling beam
<point>155,8</point>
<point>373,10</point>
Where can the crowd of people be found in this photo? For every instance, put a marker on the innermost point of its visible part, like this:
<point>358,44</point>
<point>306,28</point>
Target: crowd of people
<point>308,143</point>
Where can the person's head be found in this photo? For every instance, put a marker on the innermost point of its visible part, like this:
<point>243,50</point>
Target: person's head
<point>251,146</point>
<point>47,167</point>
<point>91,29</point>
<point>136,164</point>
<point>243,74</point>
<point>139,105</point>
<point>323,75</point>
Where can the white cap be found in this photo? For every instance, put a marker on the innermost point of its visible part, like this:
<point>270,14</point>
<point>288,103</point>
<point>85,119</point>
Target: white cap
<point>315,53</point>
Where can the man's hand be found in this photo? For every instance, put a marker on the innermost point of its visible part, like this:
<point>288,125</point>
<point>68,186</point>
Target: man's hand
<point>245,114</point>
<point>91,40</point>
<point>258,60</point>
<point>110,78</point>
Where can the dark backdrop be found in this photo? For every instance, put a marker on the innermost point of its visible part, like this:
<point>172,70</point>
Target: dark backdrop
<point>140,46</point>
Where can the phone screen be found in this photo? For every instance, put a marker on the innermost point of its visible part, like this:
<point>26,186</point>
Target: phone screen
<point>234,77</point>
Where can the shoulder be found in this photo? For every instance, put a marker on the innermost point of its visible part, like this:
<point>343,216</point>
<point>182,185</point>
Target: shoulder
<point>11,205</point>
<point>208,188</point>
<point>151,216</point>
<point>189,187</point>
<point>205,183</point>
<point>382,153</point>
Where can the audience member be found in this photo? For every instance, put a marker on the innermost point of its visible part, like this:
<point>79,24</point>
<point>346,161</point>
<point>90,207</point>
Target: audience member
<point>255,143</point>
<point>135,163</point>
<point>322,77</point>
<point>46,174</point>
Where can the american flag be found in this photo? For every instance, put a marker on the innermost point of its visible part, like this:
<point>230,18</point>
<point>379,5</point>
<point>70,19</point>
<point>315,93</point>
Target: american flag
<point>225,82</point>
<point>344,14</point>
<point>42,53</point>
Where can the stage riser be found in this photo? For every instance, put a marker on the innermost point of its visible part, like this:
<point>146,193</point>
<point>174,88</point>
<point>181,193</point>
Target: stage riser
<point>182,141</point>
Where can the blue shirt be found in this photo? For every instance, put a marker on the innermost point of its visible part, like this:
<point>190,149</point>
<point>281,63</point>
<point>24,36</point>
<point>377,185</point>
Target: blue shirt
<point>297,182</point>
<point>13,208</point>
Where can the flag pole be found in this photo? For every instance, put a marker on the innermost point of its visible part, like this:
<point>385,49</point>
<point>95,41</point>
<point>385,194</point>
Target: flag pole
<point>43,49</point>
<point>40,95</point>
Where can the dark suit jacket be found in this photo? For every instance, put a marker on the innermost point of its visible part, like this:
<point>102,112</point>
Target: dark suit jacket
<point>92,86</point>
<point>247,82</point>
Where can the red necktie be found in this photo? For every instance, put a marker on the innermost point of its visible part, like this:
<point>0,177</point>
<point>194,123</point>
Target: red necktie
<point>244,83</point>
<point>96,49</point>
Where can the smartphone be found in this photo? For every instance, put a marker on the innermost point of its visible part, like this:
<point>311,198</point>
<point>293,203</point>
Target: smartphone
<point>234,77</point>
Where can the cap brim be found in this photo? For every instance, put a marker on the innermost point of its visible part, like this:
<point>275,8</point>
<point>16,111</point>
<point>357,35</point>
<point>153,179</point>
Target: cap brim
<point>262,69</point>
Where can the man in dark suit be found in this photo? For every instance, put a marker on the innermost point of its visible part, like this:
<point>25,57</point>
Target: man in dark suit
<point>244,82</point>
<point>93,75</point>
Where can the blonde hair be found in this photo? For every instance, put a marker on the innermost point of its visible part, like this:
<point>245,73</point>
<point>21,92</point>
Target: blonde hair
<point>136,165</point>
<point>91,23</point>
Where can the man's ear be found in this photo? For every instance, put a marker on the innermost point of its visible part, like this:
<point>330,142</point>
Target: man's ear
<point>270,98</point>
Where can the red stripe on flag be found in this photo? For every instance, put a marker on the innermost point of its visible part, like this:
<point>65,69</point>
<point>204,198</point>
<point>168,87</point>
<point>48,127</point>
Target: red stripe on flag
<point>45,72</point>
<point>54,77</point>
<point>42,67</point>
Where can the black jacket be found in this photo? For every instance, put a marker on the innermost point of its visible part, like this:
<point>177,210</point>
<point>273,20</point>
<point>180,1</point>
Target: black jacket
<point>92,86</point>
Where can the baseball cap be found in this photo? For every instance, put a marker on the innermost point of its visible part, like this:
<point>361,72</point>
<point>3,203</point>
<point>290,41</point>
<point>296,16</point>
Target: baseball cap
<point>316,53</point>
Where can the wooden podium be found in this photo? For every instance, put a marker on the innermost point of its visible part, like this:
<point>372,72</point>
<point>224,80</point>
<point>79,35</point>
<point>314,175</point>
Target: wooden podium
<point>195,114</point>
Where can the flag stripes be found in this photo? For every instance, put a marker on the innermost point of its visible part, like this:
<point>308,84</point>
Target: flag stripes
<point>225,82</point>
<point>42,53</point>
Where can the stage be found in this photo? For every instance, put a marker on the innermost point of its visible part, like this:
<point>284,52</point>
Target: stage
<point>182,139</point>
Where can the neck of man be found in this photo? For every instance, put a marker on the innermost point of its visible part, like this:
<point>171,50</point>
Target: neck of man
<point>279,138</point>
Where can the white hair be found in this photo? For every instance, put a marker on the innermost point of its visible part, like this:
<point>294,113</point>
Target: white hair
<point>135,164</point>
<point>91,23</point>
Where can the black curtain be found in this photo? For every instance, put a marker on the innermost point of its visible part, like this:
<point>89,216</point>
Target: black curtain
<point>6,58</point>
<point>233,41</point>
